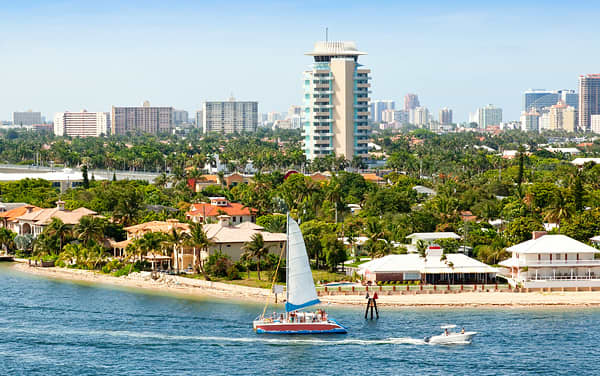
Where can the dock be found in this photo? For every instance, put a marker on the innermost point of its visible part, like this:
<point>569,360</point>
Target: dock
<point>5,258</point>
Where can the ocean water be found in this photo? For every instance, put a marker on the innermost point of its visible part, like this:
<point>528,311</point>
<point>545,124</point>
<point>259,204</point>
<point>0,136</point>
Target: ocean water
<point>49,327</point>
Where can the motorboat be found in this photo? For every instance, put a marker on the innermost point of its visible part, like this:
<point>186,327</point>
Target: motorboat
<point>449,336</point>
<point>300,294</point>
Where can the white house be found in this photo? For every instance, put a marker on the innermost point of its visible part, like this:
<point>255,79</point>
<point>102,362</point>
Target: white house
<point>553,261</point>
<point>436,268</point>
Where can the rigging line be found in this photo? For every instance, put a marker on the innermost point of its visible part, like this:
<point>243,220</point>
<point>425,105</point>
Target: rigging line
<point>274,277</point>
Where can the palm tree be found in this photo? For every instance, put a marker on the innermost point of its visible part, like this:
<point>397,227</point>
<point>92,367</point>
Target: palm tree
<point>90,229</point>
<point>59,229</point>
<point>245,259</point>
<point>422,248</point>
<point>559,209</point>
<point>175,239</point>
<point>199,239</point>
<point>257,248</point>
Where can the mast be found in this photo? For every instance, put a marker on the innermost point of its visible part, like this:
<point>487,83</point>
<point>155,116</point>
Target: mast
<point>287,261</point>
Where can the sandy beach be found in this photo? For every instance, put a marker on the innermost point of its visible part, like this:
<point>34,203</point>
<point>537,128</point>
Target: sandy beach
<point>196,288</point>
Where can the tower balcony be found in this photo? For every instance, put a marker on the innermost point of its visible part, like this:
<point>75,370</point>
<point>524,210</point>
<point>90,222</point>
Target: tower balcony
<point>321,86</point>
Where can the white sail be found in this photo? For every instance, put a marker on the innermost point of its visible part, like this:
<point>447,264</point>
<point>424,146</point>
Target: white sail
<point>300,285</point>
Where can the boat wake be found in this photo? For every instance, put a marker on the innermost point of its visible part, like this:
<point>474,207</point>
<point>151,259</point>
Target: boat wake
<point>213,340</point>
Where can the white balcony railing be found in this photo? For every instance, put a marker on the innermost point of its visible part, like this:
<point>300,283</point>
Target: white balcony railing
<point>558,263</point>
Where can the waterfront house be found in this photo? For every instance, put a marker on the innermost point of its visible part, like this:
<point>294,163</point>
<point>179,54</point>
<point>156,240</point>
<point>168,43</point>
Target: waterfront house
<point>35,221</point>
<point>553,261</point>
<point>430,238</point>
<point>435,268</point>
<point>10,214</point>
<point>225,238</point>
<point>205,212</point>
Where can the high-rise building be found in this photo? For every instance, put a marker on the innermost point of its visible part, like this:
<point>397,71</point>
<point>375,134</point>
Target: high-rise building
<point>143,119</point>
<point>27,118</point>
<point>562,117</point>
<point>544,121</point>
<point>377,108</point>
<point>336,99</point>
<point>542,99</point>
<point>445,116</point>
<point>394,116</point>
<point>489,115</point>
<point>180,117</point>
<point>230,116</point>
<point>81,124</point>
<point>419,116</point>
<point>199,119</point>
<point>530,120</point>
<point>589,100</point>
<point>411,101</point>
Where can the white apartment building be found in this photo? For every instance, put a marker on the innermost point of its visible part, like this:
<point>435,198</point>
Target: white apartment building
<point>595,120</point>
<point>336,101</point>
<point>378,107</point>
<point>180,117</point>
<point>230,116</point>
<point>27,118</point>
<point>419,116</point>
<point>81,124</point>
<point>530,121</point>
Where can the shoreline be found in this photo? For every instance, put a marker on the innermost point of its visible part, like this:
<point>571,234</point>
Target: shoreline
<point>197,289</point>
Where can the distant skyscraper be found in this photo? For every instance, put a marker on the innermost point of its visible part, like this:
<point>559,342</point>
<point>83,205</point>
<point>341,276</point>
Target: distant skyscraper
<point>589,100</point>
<point>230,116</point>
<point>81,124</point>
<point>143,119</point>
<point>530,121</point>
<point>419,116</point>
<point>489,115</point>
<point>411,101</point>
<point>199,121</point>
<point>336,99</point>
<point>27,118</point>
<point>562,117</point>
<point>445,116</point>
<point>377,108</point>
<point>180,117</point>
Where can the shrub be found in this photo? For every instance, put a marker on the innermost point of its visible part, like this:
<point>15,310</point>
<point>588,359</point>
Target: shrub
<point>233,273</point>
<point>218,265</point>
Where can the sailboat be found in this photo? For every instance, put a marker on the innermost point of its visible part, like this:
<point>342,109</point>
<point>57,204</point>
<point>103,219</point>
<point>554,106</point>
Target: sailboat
<point>300,294</point>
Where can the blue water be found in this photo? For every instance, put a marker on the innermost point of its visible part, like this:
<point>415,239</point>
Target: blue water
<point>49,327</point>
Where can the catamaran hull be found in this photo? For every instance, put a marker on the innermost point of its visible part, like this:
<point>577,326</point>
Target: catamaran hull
<point>329,327</point>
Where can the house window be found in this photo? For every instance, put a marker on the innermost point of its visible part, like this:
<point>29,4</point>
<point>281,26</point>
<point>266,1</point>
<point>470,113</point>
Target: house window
<point>234,219</point>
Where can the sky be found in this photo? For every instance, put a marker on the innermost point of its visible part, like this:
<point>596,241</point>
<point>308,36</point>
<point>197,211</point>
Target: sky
<point>72,55</point>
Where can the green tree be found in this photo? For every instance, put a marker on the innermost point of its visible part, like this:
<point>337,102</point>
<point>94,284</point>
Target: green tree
<point>199,240</point>
<point>334,250</point>
<point>61,231</point>
<point>257,248</point>
<point>84,173</point>
<point>521,229</point>
<point>90,229</point>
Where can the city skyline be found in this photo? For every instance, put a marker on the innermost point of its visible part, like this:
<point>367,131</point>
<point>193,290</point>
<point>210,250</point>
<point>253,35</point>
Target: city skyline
<point>153,51</point>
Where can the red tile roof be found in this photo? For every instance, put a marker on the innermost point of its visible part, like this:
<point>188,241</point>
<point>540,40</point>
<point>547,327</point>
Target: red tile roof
<point>204,209</point>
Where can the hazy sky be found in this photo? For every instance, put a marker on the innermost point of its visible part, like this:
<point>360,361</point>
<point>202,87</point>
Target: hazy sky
<point>70,55</point>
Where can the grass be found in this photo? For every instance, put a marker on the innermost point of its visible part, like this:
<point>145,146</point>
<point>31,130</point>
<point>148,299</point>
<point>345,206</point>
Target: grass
<point>265,282</point>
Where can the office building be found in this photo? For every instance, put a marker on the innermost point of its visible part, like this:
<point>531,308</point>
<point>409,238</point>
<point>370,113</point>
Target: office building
<point>445,116</point>
<point>411,101</point>
<point>27,118</point>
<point>589,100</point>
<point>542,99</point>
<point>143,119</point>
<point>230,116</point>
<point>530,121</point>
<point>377,108</point>
<point>336,100</point>
<point>180,117</point>
<point>199,119</point>
<point>81,124</point>
<point>394,116</point>
<point>562,117</point>
<point>489,115</point>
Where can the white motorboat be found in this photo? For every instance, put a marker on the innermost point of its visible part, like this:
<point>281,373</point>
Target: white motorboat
<point>449,337</point>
